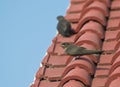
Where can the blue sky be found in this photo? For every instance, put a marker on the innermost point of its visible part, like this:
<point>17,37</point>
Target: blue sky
<point>26,30</point>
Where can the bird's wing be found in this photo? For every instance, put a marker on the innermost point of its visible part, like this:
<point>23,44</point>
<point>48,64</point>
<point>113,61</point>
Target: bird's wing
<point>68,25</point>
<point>64,28</point>
<point>61,27</point>
<point>73,49</point>
<point>82,48</point>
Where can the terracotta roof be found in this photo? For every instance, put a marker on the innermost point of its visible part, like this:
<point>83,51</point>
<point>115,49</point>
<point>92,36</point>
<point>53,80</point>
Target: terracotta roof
<point>97,26</point>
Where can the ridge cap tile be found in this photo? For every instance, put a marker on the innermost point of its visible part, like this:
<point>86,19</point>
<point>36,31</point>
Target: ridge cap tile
<point>92,14</point>
<point>77,74</point>
<point>72,8</point>
<point>94,27</point>
<point>97,5</point>
<point>81,63</point>
<point>90,38</point>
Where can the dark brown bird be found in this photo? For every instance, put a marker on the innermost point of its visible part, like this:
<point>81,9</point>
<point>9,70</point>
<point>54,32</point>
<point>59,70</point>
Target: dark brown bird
<point>64,27</point>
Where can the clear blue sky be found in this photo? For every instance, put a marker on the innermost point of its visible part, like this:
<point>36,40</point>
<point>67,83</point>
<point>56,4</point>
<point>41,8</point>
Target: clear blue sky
<point>27,28</point>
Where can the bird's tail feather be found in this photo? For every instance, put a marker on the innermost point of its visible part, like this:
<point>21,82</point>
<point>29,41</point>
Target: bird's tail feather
<point>88,52</point>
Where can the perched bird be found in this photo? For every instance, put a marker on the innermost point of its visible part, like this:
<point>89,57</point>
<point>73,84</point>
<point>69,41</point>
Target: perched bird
<point>64,27</point>
<point>75,50</point>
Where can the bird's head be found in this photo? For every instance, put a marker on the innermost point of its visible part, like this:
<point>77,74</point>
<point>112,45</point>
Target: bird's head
<point>60,18</point>
<point>65,44</point>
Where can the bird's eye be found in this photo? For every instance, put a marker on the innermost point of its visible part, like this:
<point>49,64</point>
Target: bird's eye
<point>62,44</point>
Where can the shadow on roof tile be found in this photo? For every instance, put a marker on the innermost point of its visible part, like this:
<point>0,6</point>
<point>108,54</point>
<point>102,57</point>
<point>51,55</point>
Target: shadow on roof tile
<point>102,71</point>
<point>94,58</point>
<point>73,83</point>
